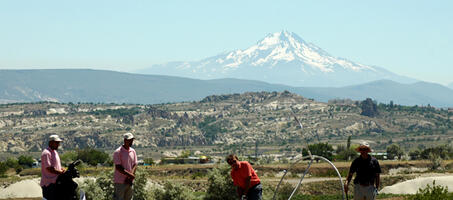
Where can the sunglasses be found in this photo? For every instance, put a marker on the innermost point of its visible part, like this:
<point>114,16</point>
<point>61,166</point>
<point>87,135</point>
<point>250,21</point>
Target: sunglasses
<point>363,149</point>
<point>230,161</point>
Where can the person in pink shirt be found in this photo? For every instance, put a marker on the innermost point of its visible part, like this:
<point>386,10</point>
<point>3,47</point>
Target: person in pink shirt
<point>125,160</point>
<point>50,167</point>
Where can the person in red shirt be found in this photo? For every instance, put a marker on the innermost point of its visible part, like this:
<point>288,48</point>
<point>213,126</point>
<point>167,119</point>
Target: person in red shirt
<point>244,177</point>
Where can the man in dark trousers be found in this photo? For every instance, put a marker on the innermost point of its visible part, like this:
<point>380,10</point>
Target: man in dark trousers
<point>244,177</point>
<point>50,168</point>
<point>367,180</point>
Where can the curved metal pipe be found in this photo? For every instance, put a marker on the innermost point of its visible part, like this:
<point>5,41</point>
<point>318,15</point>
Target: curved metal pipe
<point>286,171</point>
<point>301,179</point>
<point>313,157</point>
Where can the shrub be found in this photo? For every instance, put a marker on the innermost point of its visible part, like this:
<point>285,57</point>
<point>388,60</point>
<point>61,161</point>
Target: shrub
<point>220,184</point>
<point>149,161</point>
<point>68,157</point>
<point>172,191</point>
<point>434,192</point>
<point>25,161</point>
<point>320,149</point>
<point>394,151</point>
<point>14,163</point>
<point>435,161</point>
<point>3,169</point>
<point>92,156</point>
<point>103,187</point>
<point>92,190</point>
<point>140,192</point>
<point>285,191</point>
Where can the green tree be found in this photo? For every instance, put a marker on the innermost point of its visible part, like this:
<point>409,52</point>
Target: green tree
<point>369,108</point>
<point>68,157</point>
<point>415,155</point>
<point>26,161</point>
<point>92,156</point>
<point>393,151</point>
<point>320,149</point>
<point>442,151</point>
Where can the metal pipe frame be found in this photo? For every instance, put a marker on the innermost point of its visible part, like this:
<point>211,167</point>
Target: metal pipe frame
<point>312,158</point>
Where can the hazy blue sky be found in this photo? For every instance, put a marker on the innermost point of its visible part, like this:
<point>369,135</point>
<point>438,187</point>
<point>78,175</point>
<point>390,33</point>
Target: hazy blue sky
<point>408,37</point>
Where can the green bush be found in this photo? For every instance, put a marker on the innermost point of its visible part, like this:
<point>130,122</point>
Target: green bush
<point>172,191</point>
<point>103,187</point>
<point>393,151</point>
<point>321,149</point>
<point>435,161</point>
<point>93,157</point>
<point>285,191</point>
<point>25,161</point>
<point>14,163</point>
<point>3,169</point>
<point>149,161</point>
<point>140,190</point>
<point>434,192</point>
<point>220,184</point>
<point>68,157</point>
<point>92,190</point>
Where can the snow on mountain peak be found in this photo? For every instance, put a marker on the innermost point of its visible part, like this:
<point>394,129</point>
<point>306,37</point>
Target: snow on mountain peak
<point>284,47</point>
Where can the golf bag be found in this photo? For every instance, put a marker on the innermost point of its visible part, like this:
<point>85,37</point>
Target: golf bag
<point>66,188</point>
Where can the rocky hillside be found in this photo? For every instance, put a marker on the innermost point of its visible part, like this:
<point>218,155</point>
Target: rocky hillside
<point>219,119</point>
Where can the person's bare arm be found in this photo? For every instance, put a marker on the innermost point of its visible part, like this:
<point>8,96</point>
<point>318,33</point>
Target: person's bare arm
<point>134,169</point>
<point>121,169</point>
<point>348,180</point>
<point>378,180</point>
<point>55,171</point>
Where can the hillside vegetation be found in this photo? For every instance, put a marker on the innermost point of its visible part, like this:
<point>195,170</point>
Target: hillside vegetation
<point>227,120</point>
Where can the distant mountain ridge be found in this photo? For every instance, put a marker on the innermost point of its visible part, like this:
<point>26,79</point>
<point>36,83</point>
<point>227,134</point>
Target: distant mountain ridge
<point>420,93</point>
<point>82,85</point>
<point>282,58</point>
<point>450,85</point>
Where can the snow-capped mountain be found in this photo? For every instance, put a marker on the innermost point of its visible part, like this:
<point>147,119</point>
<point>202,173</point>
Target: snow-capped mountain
<point>282,58</point>
<point>450,85</point>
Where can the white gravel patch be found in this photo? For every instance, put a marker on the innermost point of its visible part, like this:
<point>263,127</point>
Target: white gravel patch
<point>412,186</point>
<point>23,189</point>
<point>29,188</point>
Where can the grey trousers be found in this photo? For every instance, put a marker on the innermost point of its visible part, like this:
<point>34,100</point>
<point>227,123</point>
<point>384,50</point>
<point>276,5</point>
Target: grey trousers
<point>122,192</point>
<point>364,192</point>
